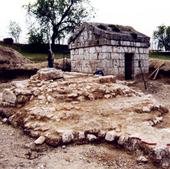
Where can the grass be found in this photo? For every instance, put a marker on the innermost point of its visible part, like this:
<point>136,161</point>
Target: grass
<point>40,57</point>
<point>159,56</point>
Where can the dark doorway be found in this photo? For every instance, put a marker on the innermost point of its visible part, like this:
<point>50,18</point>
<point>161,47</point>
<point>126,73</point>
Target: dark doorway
<point>129,66</point>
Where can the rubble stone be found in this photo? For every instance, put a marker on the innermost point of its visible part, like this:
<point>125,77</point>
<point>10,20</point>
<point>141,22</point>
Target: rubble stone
<point>40,140</point>
<point>8,96</point>
<point>48,74</point>
<point>110,136</point>
<point>67,136</point>
<point>142,159</point>
<point>91,137</point>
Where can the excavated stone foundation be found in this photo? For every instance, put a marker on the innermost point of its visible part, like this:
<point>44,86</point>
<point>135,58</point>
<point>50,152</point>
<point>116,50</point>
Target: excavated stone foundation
<point>61,108</point>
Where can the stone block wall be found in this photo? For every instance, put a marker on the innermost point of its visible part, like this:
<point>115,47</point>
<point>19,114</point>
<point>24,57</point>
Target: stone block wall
<point>110,59</point>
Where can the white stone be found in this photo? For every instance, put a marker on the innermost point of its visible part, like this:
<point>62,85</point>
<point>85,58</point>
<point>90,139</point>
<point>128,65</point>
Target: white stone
<point>92,50</point>
<point>122,139</point>
<point>81,51</point>
<point>93,57</point>
<point>138,44</point>
<point>18,91</point>
<point>113,42</point>
<point>110,136</point>
<point>40,140</point>
<point>146,109</point>
<point>67,136</point>
<point>142,159</point>
<point>81,135</point>
<point>107,49</point>
<point>85,35</point>
<point>76,51</point>
<point>141,50</point>
<point>50,99</point>
<point>98,49</point>
<point>8,96</point>
<point>48,74</point>
<point>72,52</point>
<point>91,137</point>
<point>41,97</point>
<point>5,120</point>
<point>20,84</point>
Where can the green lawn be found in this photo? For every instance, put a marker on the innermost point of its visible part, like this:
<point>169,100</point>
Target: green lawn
<point>40,57</point>
<point>159,56</point>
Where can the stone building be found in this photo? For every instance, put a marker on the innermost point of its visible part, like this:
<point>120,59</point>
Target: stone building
<point>114,49</point>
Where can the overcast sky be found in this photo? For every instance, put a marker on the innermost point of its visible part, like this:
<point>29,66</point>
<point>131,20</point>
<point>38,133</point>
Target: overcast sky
<point>143,15</point>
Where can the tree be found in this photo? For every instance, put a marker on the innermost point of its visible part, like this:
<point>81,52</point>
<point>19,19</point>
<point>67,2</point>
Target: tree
<point>162,35</point>
<point>37,36</point>
<point>60,16</point>
<point>15,30</point>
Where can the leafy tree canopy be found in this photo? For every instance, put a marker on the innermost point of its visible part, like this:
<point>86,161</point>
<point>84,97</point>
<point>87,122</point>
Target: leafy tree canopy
<point>37,36</point>
<point>60,16</point>
<point>162,35</point>
<point>15,30</point>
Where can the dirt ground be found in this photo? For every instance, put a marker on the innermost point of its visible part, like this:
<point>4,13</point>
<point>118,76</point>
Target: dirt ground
<point>160,89</point>
<point>17,151</point>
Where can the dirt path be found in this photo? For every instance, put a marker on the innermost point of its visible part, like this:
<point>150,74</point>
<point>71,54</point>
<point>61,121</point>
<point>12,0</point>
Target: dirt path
<point>16,152</point>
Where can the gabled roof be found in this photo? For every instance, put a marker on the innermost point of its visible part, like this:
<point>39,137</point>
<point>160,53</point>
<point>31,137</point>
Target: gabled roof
<point>112,32</point>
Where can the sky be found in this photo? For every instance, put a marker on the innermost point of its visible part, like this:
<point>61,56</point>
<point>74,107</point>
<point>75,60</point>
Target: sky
<point>143,15</point>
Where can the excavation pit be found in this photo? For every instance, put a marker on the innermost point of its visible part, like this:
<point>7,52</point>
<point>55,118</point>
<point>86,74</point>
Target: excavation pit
<point>81,108</point>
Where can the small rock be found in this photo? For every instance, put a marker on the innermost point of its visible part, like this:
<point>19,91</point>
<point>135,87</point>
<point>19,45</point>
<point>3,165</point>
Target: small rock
<point>40,140</point>
<point>157,120</point>
<point>107,79</point>
<point>110,136</point>
<point>165,164</point>
<point>30,146</point>
<point>122,139</point>
<point>146,109</point>
<point>8,96</point>
<point>81,98</point>
<point>91,137</point>
<point>5,120</point>
<point>107,96</point>
<point>48,74</point>
<point>50,99</point>
<point>81,135</point>
<point>67,136</point>
<point>41,97</point>
<point>142,159</point>
<point>64,147</point>
<point>1,156</point>
<point>41,166</point>
<point>73,95</point>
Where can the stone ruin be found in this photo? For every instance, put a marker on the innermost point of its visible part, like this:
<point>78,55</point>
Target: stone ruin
<point>114,49</point>
<point>59,108</point>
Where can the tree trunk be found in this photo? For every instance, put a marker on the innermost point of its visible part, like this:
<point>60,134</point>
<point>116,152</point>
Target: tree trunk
<point>54,36</point>
<point>53,42</point>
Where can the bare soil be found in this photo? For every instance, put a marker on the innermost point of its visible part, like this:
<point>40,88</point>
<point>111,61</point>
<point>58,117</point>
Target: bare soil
<point>16,152</point>
<point>160,89</point>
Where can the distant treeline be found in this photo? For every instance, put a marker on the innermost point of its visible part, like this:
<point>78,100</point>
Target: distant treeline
<point>36,48</point>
